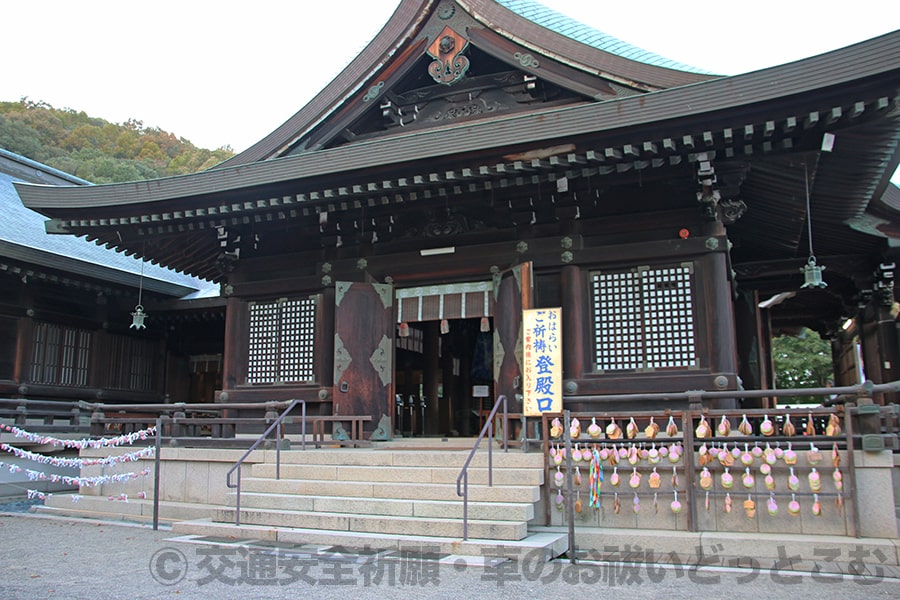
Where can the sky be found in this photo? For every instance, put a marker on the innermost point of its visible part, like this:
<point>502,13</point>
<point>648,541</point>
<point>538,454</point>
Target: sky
<point>227,74</point>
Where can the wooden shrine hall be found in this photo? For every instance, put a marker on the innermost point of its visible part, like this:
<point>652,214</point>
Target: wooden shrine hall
<point>481,157</point>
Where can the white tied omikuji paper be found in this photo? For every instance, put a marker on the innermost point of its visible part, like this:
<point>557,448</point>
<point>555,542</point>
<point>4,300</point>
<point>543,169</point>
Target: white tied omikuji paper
<point>32,475</point>
<point>130,438</point>
<point>79,481</point>
<point>148,452</point>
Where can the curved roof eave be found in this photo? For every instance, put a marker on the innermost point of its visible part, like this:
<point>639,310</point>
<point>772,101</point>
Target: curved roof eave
<point>878,57</point>
<point>403,26</point>
<point>618,61</point>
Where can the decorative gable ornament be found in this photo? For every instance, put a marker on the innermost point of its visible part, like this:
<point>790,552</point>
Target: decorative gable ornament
<point>449,65</point>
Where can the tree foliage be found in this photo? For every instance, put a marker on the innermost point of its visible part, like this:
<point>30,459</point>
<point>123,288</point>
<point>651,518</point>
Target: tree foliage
<point>802,361</point>
<point>97,150</point>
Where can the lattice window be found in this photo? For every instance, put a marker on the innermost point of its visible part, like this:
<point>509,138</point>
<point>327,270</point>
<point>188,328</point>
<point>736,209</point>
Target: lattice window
<point>132,363</point>
<point>60,355</point>
<point>644,319</point>
<point>282,341</point>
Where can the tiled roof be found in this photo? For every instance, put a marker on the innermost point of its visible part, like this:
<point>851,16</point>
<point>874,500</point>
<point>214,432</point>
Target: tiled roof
<point>22,232</point>
<point>563,25</point>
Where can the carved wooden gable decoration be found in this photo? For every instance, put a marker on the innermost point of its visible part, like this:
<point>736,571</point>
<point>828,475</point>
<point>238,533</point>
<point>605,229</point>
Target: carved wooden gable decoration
<point>456,68</point>
<point>449,64</point>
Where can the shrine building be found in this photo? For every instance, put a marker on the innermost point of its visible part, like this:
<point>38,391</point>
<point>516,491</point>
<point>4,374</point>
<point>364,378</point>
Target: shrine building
<point>478,158</point>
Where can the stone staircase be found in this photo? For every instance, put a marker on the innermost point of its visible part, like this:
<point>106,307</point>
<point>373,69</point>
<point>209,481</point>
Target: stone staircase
<point>387,499</point>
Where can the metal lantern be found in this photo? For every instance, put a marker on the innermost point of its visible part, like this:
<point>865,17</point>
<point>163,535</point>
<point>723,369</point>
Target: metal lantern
<point>812,274</point>
<point>137,318</point>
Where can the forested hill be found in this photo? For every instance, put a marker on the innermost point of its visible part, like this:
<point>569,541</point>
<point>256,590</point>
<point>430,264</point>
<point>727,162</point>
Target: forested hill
<point>97,150</point>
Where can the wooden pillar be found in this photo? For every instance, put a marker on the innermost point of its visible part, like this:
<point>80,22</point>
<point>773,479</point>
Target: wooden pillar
<point>465,402</point>
<point>448,385</point>
<point>24,337</point>
<point>236,331</point>
<point>430,377</point>
<point>720,317</point>
<point>576,322</point>
<point>750,347</point>
<point>323,361</point>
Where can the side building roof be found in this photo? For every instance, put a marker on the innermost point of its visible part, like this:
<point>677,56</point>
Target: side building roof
<point>23,238</point>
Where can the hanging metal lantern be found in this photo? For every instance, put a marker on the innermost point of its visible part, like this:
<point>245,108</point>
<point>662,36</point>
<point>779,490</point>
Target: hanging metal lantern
<point>812,274</point>
<point>137,318</point>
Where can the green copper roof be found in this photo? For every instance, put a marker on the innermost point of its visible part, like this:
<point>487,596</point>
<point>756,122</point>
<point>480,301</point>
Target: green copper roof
<point>563,25</point>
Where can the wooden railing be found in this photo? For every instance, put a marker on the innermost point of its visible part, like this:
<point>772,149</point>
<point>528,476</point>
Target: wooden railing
<point>45,416</point>
<point>862,425</point>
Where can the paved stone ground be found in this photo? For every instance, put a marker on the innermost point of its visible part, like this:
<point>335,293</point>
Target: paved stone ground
<point>52,557</point>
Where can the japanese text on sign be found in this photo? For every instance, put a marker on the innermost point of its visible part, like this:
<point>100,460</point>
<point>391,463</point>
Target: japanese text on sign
<point>542,360</point>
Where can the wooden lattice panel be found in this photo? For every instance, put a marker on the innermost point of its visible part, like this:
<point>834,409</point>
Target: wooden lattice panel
<point>131,363</point>
<point>282,341</point>
<point>644,319</point>
<point>60,355</point>
<point>668,318</point>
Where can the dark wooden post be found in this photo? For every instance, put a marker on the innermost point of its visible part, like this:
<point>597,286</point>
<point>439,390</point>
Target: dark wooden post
<point>750,345</point>
<point>430,378</point>
<point>23,350</point>
<point>575,320</point>
<point>235,340</point>
<point>720,316</point>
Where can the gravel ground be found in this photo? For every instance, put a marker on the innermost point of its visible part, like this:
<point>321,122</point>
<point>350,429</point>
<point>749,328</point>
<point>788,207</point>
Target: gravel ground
<point>18,506</point>
<point>52,557</point>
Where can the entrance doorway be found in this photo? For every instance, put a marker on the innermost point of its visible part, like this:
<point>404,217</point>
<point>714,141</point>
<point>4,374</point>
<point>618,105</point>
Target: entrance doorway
<point>439,363</point>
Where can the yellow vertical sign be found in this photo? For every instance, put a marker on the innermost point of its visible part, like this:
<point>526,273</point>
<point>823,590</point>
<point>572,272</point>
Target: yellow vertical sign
<point>542,346</point>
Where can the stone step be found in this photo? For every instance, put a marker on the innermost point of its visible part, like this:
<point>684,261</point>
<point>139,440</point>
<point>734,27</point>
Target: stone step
<point>382,489</point>
<point>414,474</point>
<point>406,458</point>
<point>546,544</point>
<point>136,509</point>
<point>422,509</point>
<point>364,523</point>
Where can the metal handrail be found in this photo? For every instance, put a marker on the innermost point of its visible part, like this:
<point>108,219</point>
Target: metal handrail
<point>464,472</point>
<point>275,425</point>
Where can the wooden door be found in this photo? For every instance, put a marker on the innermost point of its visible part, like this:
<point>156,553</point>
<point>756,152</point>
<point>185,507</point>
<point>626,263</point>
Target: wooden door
<point>513,292</point>
<point>363,350</point>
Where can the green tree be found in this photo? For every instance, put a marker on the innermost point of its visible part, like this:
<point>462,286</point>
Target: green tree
<point>97,150</point>
<point>802,361</point>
